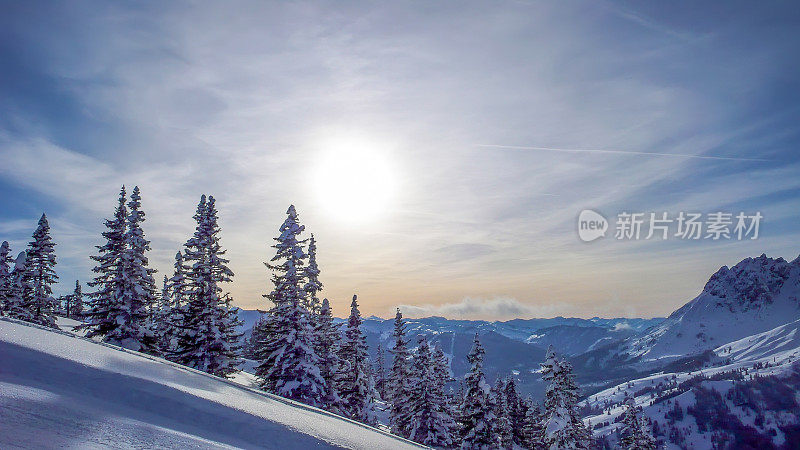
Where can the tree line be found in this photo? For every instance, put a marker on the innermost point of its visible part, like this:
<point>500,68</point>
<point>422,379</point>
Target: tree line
<point>300,352</point>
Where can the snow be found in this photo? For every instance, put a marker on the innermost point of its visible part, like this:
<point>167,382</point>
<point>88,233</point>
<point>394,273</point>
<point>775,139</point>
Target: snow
<point>61,390</point>
<point>755,295</point>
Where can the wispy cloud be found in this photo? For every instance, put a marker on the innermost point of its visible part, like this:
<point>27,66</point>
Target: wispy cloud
<point>497,308</point>
<point>620,152</point>
<point>629,113</point>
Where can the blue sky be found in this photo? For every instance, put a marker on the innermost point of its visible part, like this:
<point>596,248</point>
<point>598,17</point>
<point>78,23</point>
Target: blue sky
<point>254,101</point>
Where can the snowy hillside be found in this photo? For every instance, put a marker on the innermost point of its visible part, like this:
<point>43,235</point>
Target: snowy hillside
<point>747,396</point>
<point>61,390</point>
<point>755,295</point>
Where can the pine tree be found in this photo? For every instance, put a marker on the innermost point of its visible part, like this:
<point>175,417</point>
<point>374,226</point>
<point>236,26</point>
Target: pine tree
<point>104,307</point>
<point>354,382</point>
<point>138,287</point>
<point>502,426</point>
<point>441,378</point>
<point>563,427</point>
<point>326,345</point>
<point>532,429</point>
<point>40,264</point>
<point>311,273</point>
<point>477,418</point>
<point>73,305</point>
<point>399,388</point>
<point>636,431</point>
<point>380,373</point>
<point>6,267</point>
<point>207,338</point>
<point>177,290</point>
<point>20,290</point>
<point>161,320</point>
<point>515,410</point>
<point>430,422</point>
<point>289,365</point>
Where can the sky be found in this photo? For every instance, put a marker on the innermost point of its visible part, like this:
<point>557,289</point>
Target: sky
<point>440,152</point>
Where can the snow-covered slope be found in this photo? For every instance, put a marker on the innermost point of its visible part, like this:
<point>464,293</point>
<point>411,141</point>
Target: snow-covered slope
<point>747,395</point>
<point>60,390</point>
<point>780,343</point>
<point>755,295</point>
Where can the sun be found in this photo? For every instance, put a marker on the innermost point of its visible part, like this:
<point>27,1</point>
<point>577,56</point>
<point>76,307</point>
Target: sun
<point>355,179</point>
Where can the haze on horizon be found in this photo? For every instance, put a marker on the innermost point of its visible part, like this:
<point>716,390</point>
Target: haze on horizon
<point>440,153</point>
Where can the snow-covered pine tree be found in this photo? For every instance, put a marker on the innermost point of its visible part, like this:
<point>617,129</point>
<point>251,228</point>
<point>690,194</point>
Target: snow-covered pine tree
<point>288,364</point>
<point>6,266</point>
<point>380,372</point>
<point>532,428</point>
<point>177,289</point>
<point>313,286</point>
<point>207,338</point>
<point>40,265</point>
<point>477,418</point>
<point>20,290</point>
<point>326,345</point>
<point>635,433</point>
<point>399,387</point>
<point>74,303</point>
<point>503,429</point>
<point>515,410</point>
<point>105,312</point>
<point>563,427</point>
<point>441,366</point>
<point>430,422</point>
<point>354,382</point>
<point>162,320</point>
<point>133,288</point>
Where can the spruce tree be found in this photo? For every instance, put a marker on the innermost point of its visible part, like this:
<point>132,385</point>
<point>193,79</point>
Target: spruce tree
<point>177,289</point>
<point>40,264</point>
<point>326,345</point>
<point>354,382</point>
<point>20,290</point>
<point>311,273</point>
<point>399,387</point>
<point>380,373</point>
<point>430,421</point>
<point>288,364</point>
<point>207,337</point>
<point>138,287</point>
<point>515,410</point>
<point>162,325</point>
<point>6,267</point>
<point>635,431</point>
<point>503,428</point>
<point>106,313</point>
<point>532,428</point>
<point>563,427</point>
<point>74,303</point>
<point>477,418</point>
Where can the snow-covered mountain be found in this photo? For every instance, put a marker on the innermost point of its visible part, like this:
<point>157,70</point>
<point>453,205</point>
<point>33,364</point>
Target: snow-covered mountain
<point>61,390</point>
<point>745,396</point>
<point>755,295</point>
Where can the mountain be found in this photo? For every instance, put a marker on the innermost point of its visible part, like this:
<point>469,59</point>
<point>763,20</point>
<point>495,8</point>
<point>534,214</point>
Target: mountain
<point>514,347</point>
<point>573,340</point>
<point>61,390</point>
<point>755,295</point>
<point>743,395</point>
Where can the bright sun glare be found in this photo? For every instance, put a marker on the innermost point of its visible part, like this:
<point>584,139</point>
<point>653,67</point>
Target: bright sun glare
<point>355,179</point>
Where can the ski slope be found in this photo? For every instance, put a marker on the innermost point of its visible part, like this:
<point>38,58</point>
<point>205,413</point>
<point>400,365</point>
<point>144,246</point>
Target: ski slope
<point>59,390</point>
